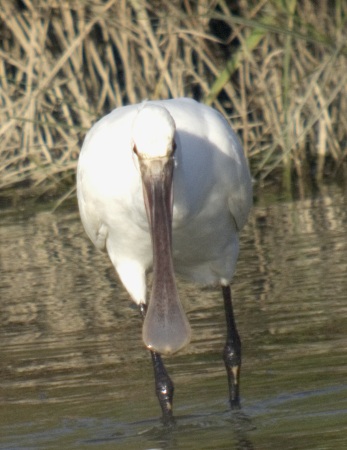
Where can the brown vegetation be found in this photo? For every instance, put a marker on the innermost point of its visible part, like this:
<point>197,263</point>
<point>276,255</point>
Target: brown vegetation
<point>276,69</point>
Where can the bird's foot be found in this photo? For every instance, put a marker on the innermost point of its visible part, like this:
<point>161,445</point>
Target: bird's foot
<point>232,361</point>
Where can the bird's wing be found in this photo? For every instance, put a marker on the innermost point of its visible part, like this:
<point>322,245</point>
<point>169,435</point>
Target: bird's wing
<point>95,228</point>
<point>233,176</point>
<point>107,141</point>
<point>234,170</point>
<point>240,197</point>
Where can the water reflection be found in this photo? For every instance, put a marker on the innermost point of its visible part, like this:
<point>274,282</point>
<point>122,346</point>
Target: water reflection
<point>73,368</point>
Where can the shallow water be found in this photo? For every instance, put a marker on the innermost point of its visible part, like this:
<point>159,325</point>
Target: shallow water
<point>74,373</point>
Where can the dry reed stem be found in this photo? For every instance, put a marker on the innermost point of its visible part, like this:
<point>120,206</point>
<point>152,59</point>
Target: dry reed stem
<point>64,64</point>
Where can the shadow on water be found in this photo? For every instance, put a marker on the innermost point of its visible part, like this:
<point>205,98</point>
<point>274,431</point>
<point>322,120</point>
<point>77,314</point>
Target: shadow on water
<point>74,373</point>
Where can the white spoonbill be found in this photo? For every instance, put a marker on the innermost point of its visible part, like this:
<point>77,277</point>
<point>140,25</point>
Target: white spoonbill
<point>164,186</point>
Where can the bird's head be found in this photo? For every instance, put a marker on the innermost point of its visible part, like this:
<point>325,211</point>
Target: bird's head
<point>153,133</point>
<point>153,145</point>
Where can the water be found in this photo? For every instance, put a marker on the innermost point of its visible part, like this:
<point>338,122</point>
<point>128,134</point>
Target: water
<point>74,373</point>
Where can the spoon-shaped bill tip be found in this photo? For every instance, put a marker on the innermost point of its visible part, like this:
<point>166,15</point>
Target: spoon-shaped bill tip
<point>166,330</point>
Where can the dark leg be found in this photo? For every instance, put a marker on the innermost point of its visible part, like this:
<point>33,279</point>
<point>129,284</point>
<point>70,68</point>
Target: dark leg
<point>164,387</point>
<point>232,351</point>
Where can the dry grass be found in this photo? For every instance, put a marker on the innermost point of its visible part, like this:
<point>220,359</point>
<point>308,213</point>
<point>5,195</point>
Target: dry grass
<point>277,69</point>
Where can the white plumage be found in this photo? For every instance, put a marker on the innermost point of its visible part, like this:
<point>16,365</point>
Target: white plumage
<point>212,196</point>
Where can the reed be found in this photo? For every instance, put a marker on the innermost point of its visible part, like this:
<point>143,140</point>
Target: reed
<point>277,69</point>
